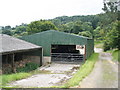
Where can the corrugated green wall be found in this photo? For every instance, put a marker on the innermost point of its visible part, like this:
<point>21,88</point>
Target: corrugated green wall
<point>89,47</point>
<point>46,38</point>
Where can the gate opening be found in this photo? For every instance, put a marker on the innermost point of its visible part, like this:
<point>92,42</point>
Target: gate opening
<point>64,49</point>
<point>69,53</point>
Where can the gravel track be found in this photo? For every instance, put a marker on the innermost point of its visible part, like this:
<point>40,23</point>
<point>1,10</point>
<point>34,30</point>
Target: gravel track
<point>104,74</point>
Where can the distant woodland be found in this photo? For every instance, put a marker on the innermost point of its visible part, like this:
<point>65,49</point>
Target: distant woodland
<point>103,27</point>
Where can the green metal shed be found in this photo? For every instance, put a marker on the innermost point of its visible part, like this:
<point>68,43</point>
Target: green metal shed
<point>53,37</point>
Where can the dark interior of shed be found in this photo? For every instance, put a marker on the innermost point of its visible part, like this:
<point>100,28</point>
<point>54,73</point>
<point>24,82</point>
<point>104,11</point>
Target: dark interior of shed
<point>65,53</point>
<point>7,58</point>
<point>64,49</point>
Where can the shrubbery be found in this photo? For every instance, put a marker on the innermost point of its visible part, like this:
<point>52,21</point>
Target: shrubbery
<point>28,67</point>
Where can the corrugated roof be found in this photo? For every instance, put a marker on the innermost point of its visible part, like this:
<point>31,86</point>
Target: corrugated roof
<point>12,44</point>
<point>62,33</point>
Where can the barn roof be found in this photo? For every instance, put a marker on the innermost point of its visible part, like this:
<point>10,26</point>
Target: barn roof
<point>12,44</point>
<point>64,33</point>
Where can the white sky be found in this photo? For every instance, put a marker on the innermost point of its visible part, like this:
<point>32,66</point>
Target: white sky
<point>15,12</point>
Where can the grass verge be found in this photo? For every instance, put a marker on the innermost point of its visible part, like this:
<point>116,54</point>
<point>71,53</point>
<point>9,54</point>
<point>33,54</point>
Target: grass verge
<point>84,70</point>
<point>13,77</point>
<point>7,78</point>
<point>115,53</point>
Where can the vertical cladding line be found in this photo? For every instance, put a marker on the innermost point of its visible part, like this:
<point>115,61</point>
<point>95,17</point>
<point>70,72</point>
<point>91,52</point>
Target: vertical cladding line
<point>0,61</point>
<point>0,56</point>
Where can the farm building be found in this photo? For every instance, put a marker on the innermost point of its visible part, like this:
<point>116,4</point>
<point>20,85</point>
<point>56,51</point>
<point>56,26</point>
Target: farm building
<point>16,53</point>
<point>61,46</point>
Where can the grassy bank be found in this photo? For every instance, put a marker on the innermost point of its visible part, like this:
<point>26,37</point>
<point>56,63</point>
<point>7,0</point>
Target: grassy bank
<point>84,70</point>
<point>13,77</point>
<point>115,53</point>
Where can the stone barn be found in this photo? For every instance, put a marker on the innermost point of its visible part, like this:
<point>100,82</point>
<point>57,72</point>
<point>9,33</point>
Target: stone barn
<point>61,46</point>
<point>16,53</point>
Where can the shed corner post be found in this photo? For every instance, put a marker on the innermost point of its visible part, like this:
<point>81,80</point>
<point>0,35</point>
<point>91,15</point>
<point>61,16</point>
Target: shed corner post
<point>13,63</point>
<point>41,57</point>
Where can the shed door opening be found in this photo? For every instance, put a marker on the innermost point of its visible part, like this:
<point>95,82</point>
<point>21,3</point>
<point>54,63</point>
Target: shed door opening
<point>65,53</point>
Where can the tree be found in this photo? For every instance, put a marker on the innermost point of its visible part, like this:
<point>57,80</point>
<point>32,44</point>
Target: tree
<point>8,32</point>
<point>7,27</point>
<point>113,37</point>
<point>39,26</point>
<point>86,34</point>
<point>77,27</point>
<point>20,29</point>
<point>111,25</point>
<point>110,6</point>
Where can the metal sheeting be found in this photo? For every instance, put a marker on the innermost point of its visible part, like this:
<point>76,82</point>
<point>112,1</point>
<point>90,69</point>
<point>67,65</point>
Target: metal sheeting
<point>46,38</point>
<point>89,47</point>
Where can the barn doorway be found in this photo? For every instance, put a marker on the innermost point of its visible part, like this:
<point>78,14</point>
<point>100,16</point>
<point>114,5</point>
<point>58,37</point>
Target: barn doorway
<point>69,53</point>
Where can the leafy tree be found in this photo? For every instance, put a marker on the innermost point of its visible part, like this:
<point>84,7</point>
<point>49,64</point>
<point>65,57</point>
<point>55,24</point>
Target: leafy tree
<point>96,32</point>
<point>112,27</point>
<point>110,6</point>
<point>112,38</point>
<point>8,32</point>
<point>77,27</point>
<point>39,26</point>
<point>7,28</point>
<point>64,28</point>
<point>86,34</point>
<point>20,29</point>
<point>118,38</point>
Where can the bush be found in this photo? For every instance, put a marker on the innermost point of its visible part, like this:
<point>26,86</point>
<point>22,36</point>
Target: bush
<point>106,46</point>
<point>28,67</point>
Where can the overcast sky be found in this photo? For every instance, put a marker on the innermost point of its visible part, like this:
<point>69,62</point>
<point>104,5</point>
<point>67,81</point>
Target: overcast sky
<point>15,12</point>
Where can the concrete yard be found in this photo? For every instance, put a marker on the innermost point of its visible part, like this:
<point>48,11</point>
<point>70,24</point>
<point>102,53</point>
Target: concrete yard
<point>59,74</point>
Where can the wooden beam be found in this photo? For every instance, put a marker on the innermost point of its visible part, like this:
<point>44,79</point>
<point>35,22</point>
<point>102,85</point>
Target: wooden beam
<point>6,59</point>
<point>13,63</point>
<point>41,57</point>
